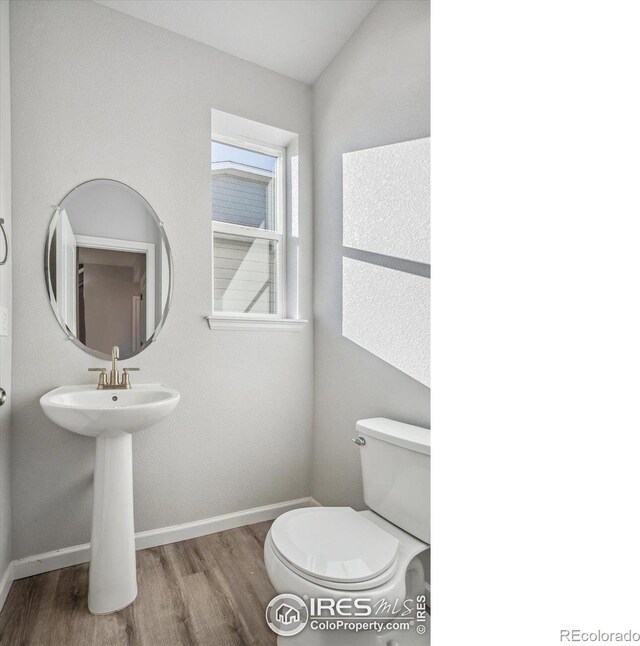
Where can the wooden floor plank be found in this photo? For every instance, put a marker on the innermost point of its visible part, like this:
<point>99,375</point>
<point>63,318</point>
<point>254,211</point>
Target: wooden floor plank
<point>27,598</point>
<point>48,585</point>
<point>156,616</point>
<point>211,618</point>
<point>208,591</point>
<point>240,566</point>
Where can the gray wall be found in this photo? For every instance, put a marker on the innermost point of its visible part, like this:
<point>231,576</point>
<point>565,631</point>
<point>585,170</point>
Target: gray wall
<point>5,293</point>
<point>99,94</point>
<point>374,93</point>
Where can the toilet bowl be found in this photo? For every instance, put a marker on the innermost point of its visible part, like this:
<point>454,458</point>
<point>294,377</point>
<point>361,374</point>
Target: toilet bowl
<point>390,571</point>
<point>361,558</point>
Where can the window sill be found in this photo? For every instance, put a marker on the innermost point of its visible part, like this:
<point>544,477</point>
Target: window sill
<point>242,323</point>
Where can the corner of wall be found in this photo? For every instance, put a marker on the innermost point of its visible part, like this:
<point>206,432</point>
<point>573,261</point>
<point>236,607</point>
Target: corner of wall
<point>375,92</point>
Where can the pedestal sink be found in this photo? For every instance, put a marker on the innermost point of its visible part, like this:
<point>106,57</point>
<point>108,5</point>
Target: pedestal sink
<point>111,416</point>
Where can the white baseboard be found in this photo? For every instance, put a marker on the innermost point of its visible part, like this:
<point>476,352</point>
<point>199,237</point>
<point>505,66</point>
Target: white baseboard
<point>5,583</point>
<point>40,563</point>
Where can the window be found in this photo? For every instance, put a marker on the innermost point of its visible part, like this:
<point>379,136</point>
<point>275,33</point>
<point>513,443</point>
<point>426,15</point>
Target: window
<point>248,218</point>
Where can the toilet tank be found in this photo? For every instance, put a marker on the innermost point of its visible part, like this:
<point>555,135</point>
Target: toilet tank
<point>396,469</point>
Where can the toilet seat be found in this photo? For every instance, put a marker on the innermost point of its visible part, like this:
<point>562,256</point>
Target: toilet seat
<point>335,547</point>
<point>381,579</point>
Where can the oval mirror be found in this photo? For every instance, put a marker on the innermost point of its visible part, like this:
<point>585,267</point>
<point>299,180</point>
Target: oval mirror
<point>108,268</point>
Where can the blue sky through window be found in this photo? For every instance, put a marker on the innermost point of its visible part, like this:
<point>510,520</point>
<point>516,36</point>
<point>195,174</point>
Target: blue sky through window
<point>223,152</point>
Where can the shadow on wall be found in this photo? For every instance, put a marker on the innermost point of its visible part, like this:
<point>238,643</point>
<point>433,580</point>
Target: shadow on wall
<point>385,266</point>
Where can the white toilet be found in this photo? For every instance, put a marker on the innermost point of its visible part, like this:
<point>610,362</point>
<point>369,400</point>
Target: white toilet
<point>336,552</point>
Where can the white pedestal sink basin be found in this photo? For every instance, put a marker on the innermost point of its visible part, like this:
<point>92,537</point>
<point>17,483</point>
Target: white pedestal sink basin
<point>111,416</point>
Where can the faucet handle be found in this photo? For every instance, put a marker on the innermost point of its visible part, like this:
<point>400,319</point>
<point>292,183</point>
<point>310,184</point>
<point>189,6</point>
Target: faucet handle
<point>126,382</point>
<point>102,378</point>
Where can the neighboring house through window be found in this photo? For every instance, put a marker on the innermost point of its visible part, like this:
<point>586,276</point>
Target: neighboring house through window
<point>248,228</point>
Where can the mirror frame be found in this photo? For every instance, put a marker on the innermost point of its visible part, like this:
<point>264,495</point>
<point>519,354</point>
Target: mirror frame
<point>49,287</point>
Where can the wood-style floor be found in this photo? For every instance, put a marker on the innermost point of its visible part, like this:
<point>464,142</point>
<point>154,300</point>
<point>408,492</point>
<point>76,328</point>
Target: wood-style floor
<point>208,591</point>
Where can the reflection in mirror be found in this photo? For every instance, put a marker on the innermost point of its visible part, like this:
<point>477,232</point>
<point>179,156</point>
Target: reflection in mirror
<point>108,267</point>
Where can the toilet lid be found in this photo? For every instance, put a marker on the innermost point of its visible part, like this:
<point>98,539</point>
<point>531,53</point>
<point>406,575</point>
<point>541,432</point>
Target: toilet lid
<point>334,543</point>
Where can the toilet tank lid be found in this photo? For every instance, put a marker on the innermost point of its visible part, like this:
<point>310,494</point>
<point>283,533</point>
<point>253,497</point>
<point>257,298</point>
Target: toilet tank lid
<point>407,436</point>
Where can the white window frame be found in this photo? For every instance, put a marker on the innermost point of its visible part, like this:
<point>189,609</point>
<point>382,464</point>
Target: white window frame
<point>278,235</point>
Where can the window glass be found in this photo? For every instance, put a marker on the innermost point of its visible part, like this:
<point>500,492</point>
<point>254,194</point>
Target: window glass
<point>243,186</point>
<point>244,274</point>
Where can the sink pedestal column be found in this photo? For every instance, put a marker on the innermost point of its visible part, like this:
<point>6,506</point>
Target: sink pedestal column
<point>112,573</point>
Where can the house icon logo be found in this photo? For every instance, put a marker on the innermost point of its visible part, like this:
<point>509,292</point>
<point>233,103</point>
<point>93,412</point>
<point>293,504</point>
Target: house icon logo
<point>287,615</point>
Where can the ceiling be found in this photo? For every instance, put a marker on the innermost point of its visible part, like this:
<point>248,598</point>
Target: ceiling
<point>297,38</point>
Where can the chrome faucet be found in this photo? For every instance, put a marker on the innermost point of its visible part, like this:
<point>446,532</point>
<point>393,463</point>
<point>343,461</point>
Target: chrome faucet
<point>114,383</point>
